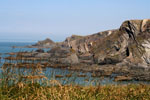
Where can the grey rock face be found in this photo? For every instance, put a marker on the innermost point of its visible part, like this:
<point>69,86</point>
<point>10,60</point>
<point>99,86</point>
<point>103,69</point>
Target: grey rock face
<point>73,58</point>
<point>63,55</point>
<point>83,44</point>
<point>130,42</point>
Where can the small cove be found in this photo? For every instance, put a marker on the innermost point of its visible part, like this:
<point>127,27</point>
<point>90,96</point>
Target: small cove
<point>62,75</point>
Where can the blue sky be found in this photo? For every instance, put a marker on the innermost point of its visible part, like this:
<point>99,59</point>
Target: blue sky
<point>33,20</point>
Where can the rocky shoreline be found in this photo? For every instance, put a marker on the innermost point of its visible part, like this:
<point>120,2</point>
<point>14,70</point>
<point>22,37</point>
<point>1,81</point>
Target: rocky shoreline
<point>123,52</point>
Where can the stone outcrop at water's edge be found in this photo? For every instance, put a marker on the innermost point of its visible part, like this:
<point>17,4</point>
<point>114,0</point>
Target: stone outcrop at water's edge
<point>127,46</point>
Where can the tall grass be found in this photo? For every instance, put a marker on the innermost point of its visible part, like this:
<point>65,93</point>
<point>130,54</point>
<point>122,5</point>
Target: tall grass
<point>19,83</point>
<point>69,92</point>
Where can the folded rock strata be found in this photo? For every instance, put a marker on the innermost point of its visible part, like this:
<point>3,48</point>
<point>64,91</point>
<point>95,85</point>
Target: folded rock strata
<point>128,44</point>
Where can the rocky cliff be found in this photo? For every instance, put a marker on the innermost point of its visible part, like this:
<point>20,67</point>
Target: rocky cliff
<point>83,44</point>
<point>45,43</point>
<point>130,44</point>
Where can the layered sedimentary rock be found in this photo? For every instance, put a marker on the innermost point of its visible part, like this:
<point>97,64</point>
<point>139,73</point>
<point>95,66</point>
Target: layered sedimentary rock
<point>83,44</point>
<point>128,44</point>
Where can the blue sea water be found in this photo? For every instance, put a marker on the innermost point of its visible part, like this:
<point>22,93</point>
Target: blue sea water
<point>6,47</point>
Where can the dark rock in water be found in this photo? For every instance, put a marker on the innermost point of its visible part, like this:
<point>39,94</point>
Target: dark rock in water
<point>40,51</point>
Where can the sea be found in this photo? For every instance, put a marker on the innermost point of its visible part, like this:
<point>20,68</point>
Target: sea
<point>50,73</point>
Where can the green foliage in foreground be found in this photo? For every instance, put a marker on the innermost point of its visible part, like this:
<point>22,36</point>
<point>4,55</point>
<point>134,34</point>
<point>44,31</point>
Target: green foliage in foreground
<point>34,91</point>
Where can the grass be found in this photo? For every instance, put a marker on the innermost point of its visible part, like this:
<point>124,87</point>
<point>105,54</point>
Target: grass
<point>17,84</point>
<point>69,92</point>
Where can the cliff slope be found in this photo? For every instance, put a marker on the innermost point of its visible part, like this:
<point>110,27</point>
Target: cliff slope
<point>129,44</point>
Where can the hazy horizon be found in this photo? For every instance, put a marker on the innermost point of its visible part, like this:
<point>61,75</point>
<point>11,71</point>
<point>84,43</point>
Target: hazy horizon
<point>34,20</point>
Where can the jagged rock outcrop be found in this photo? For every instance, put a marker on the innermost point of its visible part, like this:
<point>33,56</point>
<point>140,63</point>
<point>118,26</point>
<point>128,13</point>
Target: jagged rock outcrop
<point>63,56</point>
<point>129,43</point>
<point>45,43</point>
<point>83,44</point>
<point>122,54</point>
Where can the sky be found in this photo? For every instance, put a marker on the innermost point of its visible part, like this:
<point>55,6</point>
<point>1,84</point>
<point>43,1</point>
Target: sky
<point>34,20</point>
